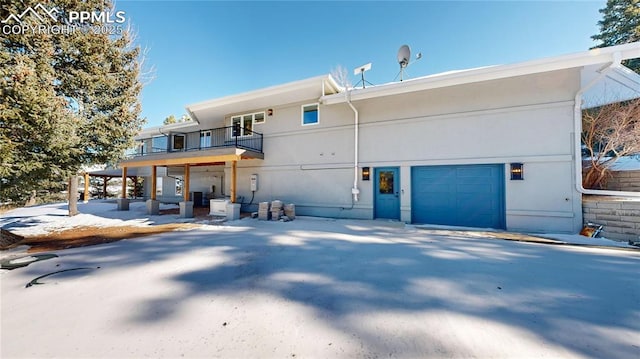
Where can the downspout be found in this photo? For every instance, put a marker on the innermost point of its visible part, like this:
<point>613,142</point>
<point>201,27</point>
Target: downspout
<point>577,133</point>
<point>354,191</point>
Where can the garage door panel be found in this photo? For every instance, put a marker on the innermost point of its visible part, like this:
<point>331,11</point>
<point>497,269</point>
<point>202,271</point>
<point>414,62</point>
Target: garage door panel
<point>473,172</point>
<point>464,195</point>
<point>477,205</point>
<point>470,181</point>
<point>475,188</point>
<point>438,188</point>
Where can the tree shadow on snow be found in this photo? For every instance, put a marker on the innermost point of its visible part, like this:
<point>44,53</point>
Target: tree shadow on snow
<point>553,292</point>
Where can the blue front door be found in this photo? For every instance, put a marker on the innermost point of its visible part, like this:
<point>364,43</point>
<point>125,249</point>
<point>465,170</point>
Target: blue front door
<point>386,195</point>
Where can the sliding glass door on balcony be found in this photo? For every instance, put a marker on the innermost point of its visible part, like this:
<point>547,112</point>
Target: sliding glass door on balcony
<point>205,139</point>
<point>245,123</point>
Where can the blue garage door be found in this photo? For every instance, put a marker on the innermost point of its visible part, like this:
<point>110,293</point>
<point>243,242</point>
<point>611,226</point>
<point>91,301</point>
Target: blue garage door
<point>466,195</point>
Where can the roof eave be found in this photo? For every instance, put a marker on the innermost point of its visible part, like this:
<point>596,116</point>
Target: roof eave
<point>594,56</point>
<point>164,129</point>
<point>265,92</point>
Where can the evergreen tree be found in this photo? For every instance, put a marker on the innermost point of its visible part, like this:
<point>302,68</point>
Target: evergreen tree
<point>169,120</point>
<point>620,24</point>
<point>172,119</point>
<point>68,99</point>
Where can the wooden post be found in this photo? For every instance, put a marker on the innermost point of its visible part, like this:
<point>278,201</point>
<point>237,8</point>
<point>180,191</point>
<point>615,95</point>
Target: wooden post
<point>124,183</point>
<point>185,187</point>
<point>154,174</point>
<point>86,187</point>
<point>233,180</point>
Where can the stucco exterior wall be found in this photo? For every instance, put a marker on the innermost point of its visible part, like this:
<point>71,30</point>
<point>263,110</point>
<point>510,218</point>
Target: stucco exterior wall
<point>525,119</point>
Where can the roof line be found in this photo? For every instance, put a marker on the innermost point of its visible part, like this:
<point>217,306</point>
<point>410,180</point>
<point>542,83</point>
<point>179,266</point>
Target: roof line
<point>580,59</point>
<point>264,92</point>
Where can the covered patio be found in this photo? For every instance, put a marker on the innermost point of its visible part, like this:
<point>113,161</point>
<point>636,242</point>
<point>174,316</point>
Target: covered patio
<point>186,160</point>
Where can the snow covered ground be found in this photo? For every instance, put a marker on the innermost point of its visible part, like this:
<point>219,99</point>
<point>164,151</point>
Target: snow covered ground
<point>319,288</point>
<point>53,217</point>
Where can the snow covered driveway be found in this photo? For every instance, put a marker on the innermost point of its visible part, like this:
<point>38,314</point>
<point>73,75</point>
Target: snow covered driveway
<point>324,288</point>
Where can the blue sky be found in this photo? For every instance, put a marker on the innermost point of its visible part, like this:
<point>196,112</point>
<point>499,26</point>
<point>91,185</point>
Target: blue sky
<point>208,49</point>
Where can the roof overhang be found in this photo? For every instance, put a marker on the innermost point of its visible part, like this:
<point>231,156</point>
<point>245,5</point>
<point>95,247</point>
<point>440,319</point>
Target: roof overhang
<point>619,84</point>
<point>186,126</point>
<point>303,90</point>
<point>117,172</point>
<point>600,56</point>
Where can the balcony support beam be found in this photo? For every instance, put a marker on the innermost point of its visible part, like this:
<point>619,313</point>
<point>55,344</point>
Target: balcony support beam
<point>86,187</point>
<point>185,187</point>
<point>154,182</point>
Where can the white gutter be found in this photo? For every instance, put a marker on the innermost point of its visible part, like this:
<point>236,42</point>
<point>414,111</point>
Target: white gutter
<point>577,132</point>
<point>256,94</point>
<point>354,191</point>
<point>488,73</point>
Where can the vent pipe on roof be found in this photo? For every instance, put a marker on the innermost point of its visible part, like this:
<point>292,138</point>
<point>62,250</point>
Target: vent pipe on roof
<point>577,129</point>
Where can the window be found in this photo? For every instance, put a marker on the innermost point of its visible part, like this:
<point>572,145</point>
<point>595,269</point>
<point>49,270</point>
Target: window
<point>205,139</point>
<point>159,144</point>
<point>247,125</point>
<point>178,142</point>
<point>385,182</point>
<point>310,114</point>
<point>236,123</point>
<point>142,148</point>
<point>246,122</point>
<point>258,118</point>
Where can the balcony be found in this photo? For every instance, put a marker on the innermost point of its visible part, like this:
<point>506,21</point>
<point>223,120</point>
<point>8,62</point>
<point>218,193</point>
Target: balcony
<point>204,146</point>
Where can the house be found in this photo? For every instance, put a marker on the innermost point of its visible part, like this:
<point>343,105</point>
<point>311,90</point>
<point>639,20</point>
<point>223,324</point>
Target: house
<point>494,147</point>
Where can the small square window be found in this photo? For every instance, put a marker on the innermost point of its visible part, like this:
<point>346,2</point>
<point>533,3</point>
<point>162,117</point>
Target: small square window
<point>178,142</point>
<point>258,118</point>
<point>310,114</point>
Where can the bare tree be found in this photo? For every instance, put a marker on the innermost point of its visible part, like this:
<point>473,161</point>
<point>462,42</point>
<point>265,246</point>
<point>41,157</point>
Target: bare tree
<point>608,133</point>
<point>341,75</point>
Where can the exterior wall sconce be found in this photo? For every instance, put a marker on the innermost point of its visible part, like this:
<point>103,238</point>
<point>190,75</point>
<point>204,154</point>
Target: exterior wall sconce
<point>517,171</point>
<point>270,112</point>
<point>365,173</point>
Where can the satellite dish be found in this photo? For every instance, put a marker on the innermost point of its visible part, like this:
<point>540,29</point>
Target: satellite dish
<point>404,54</point>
